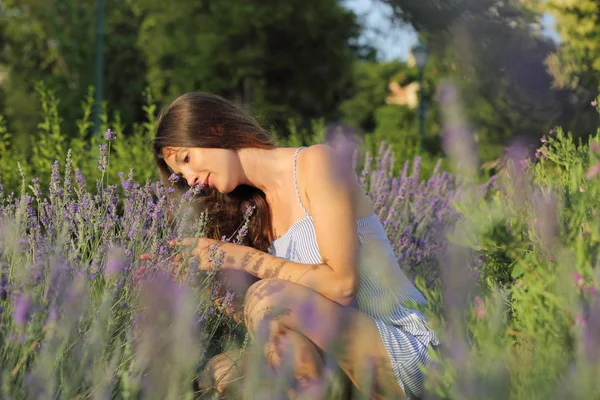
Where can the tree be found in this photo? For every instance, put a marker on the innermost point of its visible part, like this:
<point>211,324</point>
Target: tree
<point>54,41</point>
<point>496,53</point>
<point>287,58</point>
<point>368,91</point>
<point>576,64</point>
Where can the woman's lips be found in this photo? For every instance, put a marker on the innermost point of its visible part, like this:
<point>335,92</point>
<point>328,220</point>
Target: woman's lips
<point>207,181</point>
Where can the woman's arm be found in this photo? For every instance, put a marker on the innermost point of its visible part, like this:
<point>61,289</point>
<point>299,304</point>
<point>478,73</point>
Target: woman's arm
<point>329,185</point>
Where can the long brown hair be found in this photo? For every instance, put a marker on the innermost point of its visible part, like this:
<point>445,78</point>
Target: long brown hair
<point>198,119</point>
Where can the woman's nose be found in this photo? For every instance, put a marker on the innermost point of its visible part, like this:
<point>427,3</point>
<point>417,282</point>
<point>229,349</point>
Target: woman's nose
<point>193,180</point>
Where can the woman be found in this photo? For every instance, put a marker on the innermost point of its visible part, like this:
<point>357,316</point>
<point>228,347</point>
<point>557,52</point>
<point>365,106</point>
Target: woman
<point>316,246</point>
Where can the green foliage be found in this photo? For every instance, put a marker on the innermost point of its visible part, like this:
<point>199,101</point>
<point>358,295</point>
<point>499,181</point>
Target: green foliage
<point>368,91</point>
<point>576,64</point>
<point>495,51</point>
<point>516,308</point>
<point>398,125</point>
<point>288,59</point>
<point>50,144</point>
<point>54,42</point>
<point>527,332</point>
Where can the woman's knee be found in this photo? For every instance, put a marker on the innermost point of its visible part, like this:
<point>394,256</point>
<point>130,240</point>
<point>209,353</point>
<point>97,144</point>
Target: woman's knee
<point>262,300</point>
<point>221,371</point>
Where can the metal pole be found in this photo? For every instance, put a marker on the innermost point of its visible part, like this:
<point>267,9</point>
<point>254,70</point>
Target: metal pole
<point>99,64</point>
<point>421,111</point>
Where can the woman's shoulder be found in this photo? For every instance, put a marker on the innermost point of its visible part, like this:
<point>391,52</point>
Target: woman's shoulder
<point>322,165</point>
<point>321,157</point>
<point>325,168</point>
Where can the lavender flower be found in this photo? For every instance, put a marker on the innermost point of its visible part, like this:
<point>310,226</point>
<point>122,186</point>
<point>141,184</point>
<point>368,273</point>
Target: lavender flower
<point>55,190</point>
<point>110,135</point>
<point>174,178</point>
<point>80,181</point>
<point>35,188</point>
<point>103,161</point>
<point>4,287</point>
<point>21,310</point>
<point>115,263</point>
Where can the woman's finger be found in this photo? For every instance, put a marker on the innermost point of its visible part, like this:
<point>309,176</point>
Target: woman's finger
<point>145,257</point>
<point>177,259</point>
<point>183,242</point>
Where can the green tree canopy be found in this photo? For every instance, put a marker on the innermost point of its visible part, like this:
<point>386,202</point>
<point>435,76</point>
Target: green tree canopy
<point>496,52</point>
<point>54,41</point>
<point>576,64</point>
<point>288,59</point>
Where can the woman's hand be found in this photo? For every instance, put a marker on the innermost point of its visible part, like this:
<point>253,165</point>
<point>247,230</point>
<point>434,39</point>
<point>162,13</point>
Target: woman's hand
<point>204,249</point>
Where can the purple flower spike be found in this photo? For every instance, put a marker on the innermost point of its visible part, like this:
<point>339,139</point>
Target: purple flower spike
<point>103,161</point>
<point>110,135</point>
<point>174,178</point>
<point>116,262</point>
<point>21,310</point>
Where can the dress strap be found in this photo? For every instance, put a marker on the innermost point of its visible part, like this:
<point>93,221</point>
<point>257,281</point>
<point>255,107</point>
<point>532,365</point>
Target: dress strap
<point>296,181</point>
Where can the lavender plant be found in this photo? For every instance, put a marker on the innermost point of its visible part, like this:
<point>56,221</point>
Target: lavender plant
<point>81,315</point>
<point>509,268</point>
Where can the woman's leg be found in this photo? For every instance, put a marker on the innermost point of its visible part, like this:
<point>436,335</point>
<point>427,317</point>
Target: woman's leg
<point>353,337</point>
<point>227,368</point>
<point>307,365</point>
<point>223,374</point>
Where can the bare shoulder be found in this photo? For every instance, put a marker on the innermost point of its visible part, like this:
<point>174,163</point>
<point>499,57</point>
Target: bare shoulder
<point>323,162</point>
<point>324,171</point>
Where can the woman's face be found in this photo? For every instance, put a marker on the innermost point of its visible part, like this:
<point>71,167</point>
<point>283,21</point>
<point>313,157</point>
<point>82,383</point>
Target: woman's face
<point>217,168</point>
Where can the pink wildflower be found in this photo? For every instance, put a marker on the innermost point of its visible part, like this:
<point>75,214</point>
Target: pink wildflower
<point>579,320</point>
<point>579,281</point>
<point>591,289</point>
<point>593,171</point>
<point>594,103</point>
<point>523,164</point>
<point>480,310</point>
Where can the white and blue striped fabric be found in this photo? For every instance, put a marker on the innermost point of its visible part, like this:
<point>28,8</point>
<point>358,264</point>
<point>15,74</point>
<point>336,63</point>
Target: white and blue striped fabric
<point>384,293</point>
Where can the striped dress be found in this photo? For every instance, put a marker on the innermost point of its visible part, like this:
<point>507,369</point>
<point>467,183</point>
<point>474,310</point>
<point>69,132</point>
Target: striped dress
<point>383,292</point>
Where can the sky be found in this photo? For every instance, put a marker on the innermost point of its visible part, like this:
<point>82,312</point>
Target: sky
<point>394,41</point>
